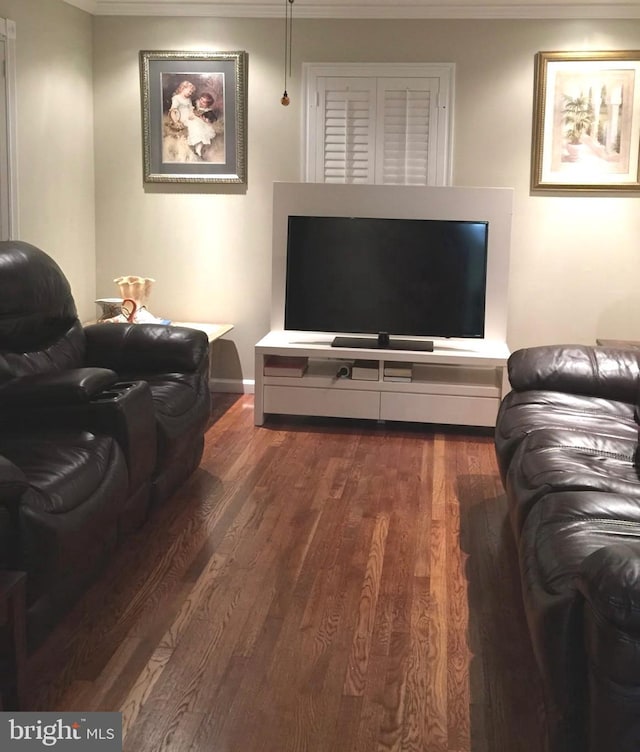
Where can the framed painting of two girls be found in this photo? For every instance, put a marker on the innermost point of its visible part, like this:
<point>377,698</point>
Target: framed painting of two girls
<point>194,115</point>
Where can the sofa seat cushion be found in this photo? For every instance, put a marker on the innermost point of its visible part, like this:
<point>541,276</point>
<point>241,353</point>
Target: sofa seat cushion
<point>562,460</point>
<point>521,413</point>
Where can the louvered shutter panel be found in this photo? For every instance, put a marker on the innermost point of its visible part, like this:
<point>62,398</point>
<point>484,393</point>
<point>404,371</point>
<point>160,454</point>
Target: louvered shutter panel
<point>408,121</point>
<point>347,120</point>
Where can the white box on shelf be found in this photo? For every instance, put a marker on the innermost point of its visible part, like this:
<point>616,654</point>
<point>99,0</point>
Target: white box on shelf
<point>365,370</point>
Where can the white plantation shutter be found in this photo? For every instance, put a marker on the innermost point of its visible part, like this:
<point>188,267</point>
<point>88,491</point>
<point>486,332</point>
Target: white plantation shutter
<point>407,110</point>
<point>365,127</point>
<point>348,122</point>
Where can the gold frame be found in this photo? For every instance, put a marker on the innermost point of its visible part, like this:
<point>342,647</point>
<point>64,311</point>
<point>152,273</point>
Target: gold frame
<point>231,70</point>
<point>588,100</point>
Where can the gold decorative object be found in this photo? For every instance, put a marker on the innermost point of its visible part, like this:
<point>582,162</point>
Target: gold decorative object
<point>135,288</point>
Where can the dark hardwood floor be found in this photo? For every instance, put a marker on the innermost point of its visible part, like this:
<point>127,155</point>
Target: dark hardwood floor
<point>316,585</point>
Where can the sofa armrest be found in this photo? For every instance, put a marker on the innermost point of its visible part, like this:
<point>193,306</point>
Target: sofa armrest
<point>146,348</point>
<point>72,387</point>
<point>609,579</point>
<point>610,373</point>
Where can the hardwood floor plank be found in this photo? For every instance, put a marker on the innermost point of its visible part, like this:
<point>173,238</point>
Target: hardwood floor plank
<point>458,653</point>
<point>317,585</point>
<point>360,649</point>
<point>424,515</point>
<point>436,703</point>
<point>372,708</point>
<point>415,732</point>
<point>143,687</point>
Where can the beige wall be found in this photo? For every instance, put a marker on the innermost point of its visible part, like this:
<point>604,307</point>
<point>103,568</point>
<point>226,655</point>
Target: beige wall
<point>54,63</point>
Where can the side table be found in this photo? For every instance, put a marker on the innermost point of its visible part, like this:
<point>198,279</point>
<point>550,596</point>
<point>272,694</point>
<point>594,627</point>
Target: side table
<point>213,331</point>
<point>13,629</point>
<point>632,344</point>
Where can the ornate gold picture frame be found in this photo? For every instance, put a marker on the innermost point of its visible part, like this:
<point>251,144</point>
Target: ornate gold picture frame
<point>194,116</point>
<point>586,121</point>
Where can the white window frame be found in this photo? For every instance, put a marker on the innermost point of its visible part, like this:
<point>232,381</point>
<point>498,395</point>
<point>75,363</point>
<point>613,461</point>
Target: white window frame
<point>444,72</point>
<point>9,170</point>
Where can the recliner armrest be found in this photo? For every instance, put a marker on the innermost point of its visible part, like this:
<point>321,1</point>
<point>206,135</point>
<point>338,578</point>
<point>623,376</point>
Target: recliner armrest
<point>146,348</point>
<point>610,373</point>
<point>14,486</point>
<point>75,400</point>
<point>13,483</point>
<point>72,387</point>
<point>126,412</point>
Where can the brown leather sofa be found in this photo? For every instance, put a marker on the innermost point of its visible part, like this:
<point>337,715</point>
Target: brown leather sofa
<point>97,425</point>
<point>567,447</point>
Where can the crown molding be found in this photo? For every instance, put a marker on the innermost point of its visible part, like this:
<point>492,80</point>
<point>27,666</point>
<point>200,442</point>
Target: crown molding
<point>435,9</point>
<point>89,5</point>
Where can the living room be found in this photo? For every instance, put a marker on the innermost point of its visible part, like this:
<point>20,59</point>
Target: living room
<point>82,199</point>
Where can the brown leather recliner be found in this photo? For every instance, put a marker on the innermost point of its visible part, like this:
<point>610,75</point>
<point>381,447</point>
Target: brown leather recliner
<point>94,424</point>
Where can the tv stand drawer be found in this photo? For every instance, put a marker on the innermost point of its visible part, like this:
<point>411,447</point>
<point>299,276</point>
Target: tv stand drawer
<point>330,403</point>
<point>439,408</point>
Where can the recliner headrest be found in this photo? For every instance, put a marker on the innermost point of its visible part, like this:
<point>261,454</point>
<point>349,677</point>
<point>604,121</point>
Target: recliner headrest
<point>36,304</point>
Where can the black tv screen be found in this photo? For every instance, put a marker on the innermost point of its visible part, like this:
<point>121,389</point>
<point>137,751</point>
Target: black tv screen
<point>413,277</point>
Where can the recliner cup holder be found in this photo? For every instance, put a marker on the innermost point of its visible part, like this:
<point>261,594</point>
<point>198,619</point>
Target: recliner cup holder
<point>117,391</point>
<point>107,396</point>
<point>124,385</point>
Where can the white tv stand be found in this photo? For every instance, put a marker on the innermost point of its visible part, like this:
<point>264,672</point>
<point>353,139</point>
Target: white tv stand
<point>460,382</point>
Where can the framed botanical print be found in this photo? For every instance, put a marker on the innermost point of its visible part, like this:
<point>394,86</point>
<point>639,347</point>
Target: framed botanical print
<point>586,129</point>
<point>194,116</point>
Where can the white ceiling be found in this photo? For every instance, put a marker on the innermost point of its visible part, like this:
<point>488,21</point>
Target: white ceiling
<point>366,8</point>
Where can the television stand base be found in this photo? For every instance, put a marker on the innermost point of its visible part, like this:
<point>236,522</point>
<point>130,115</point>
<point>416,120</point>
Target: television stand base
<point>459,383</point>
<point>384,342</point>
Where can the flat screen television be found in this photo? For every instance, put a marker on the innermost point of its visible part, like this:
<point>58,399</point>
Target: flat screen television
<point>384,277</point>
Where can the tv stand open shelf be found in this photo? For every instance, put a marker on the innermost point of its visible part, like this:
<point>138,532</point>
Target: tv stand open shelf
<point>460,382</point>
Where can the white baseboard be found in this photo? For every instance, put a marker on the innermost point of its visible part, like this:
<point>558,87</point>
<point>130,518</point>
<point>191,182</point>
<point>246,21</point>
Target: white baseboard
<point>233,386</point>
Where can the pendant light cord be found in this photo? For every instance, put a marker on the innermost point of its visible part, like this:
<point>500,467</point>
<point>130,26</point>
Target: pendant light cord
<point>290,7</point>
<point>288,44</point>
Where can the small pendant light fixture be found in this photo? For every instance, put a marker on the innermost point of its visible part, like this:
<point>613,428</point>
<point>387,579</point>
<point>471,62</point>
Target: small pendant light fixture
<point>288,36</point>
